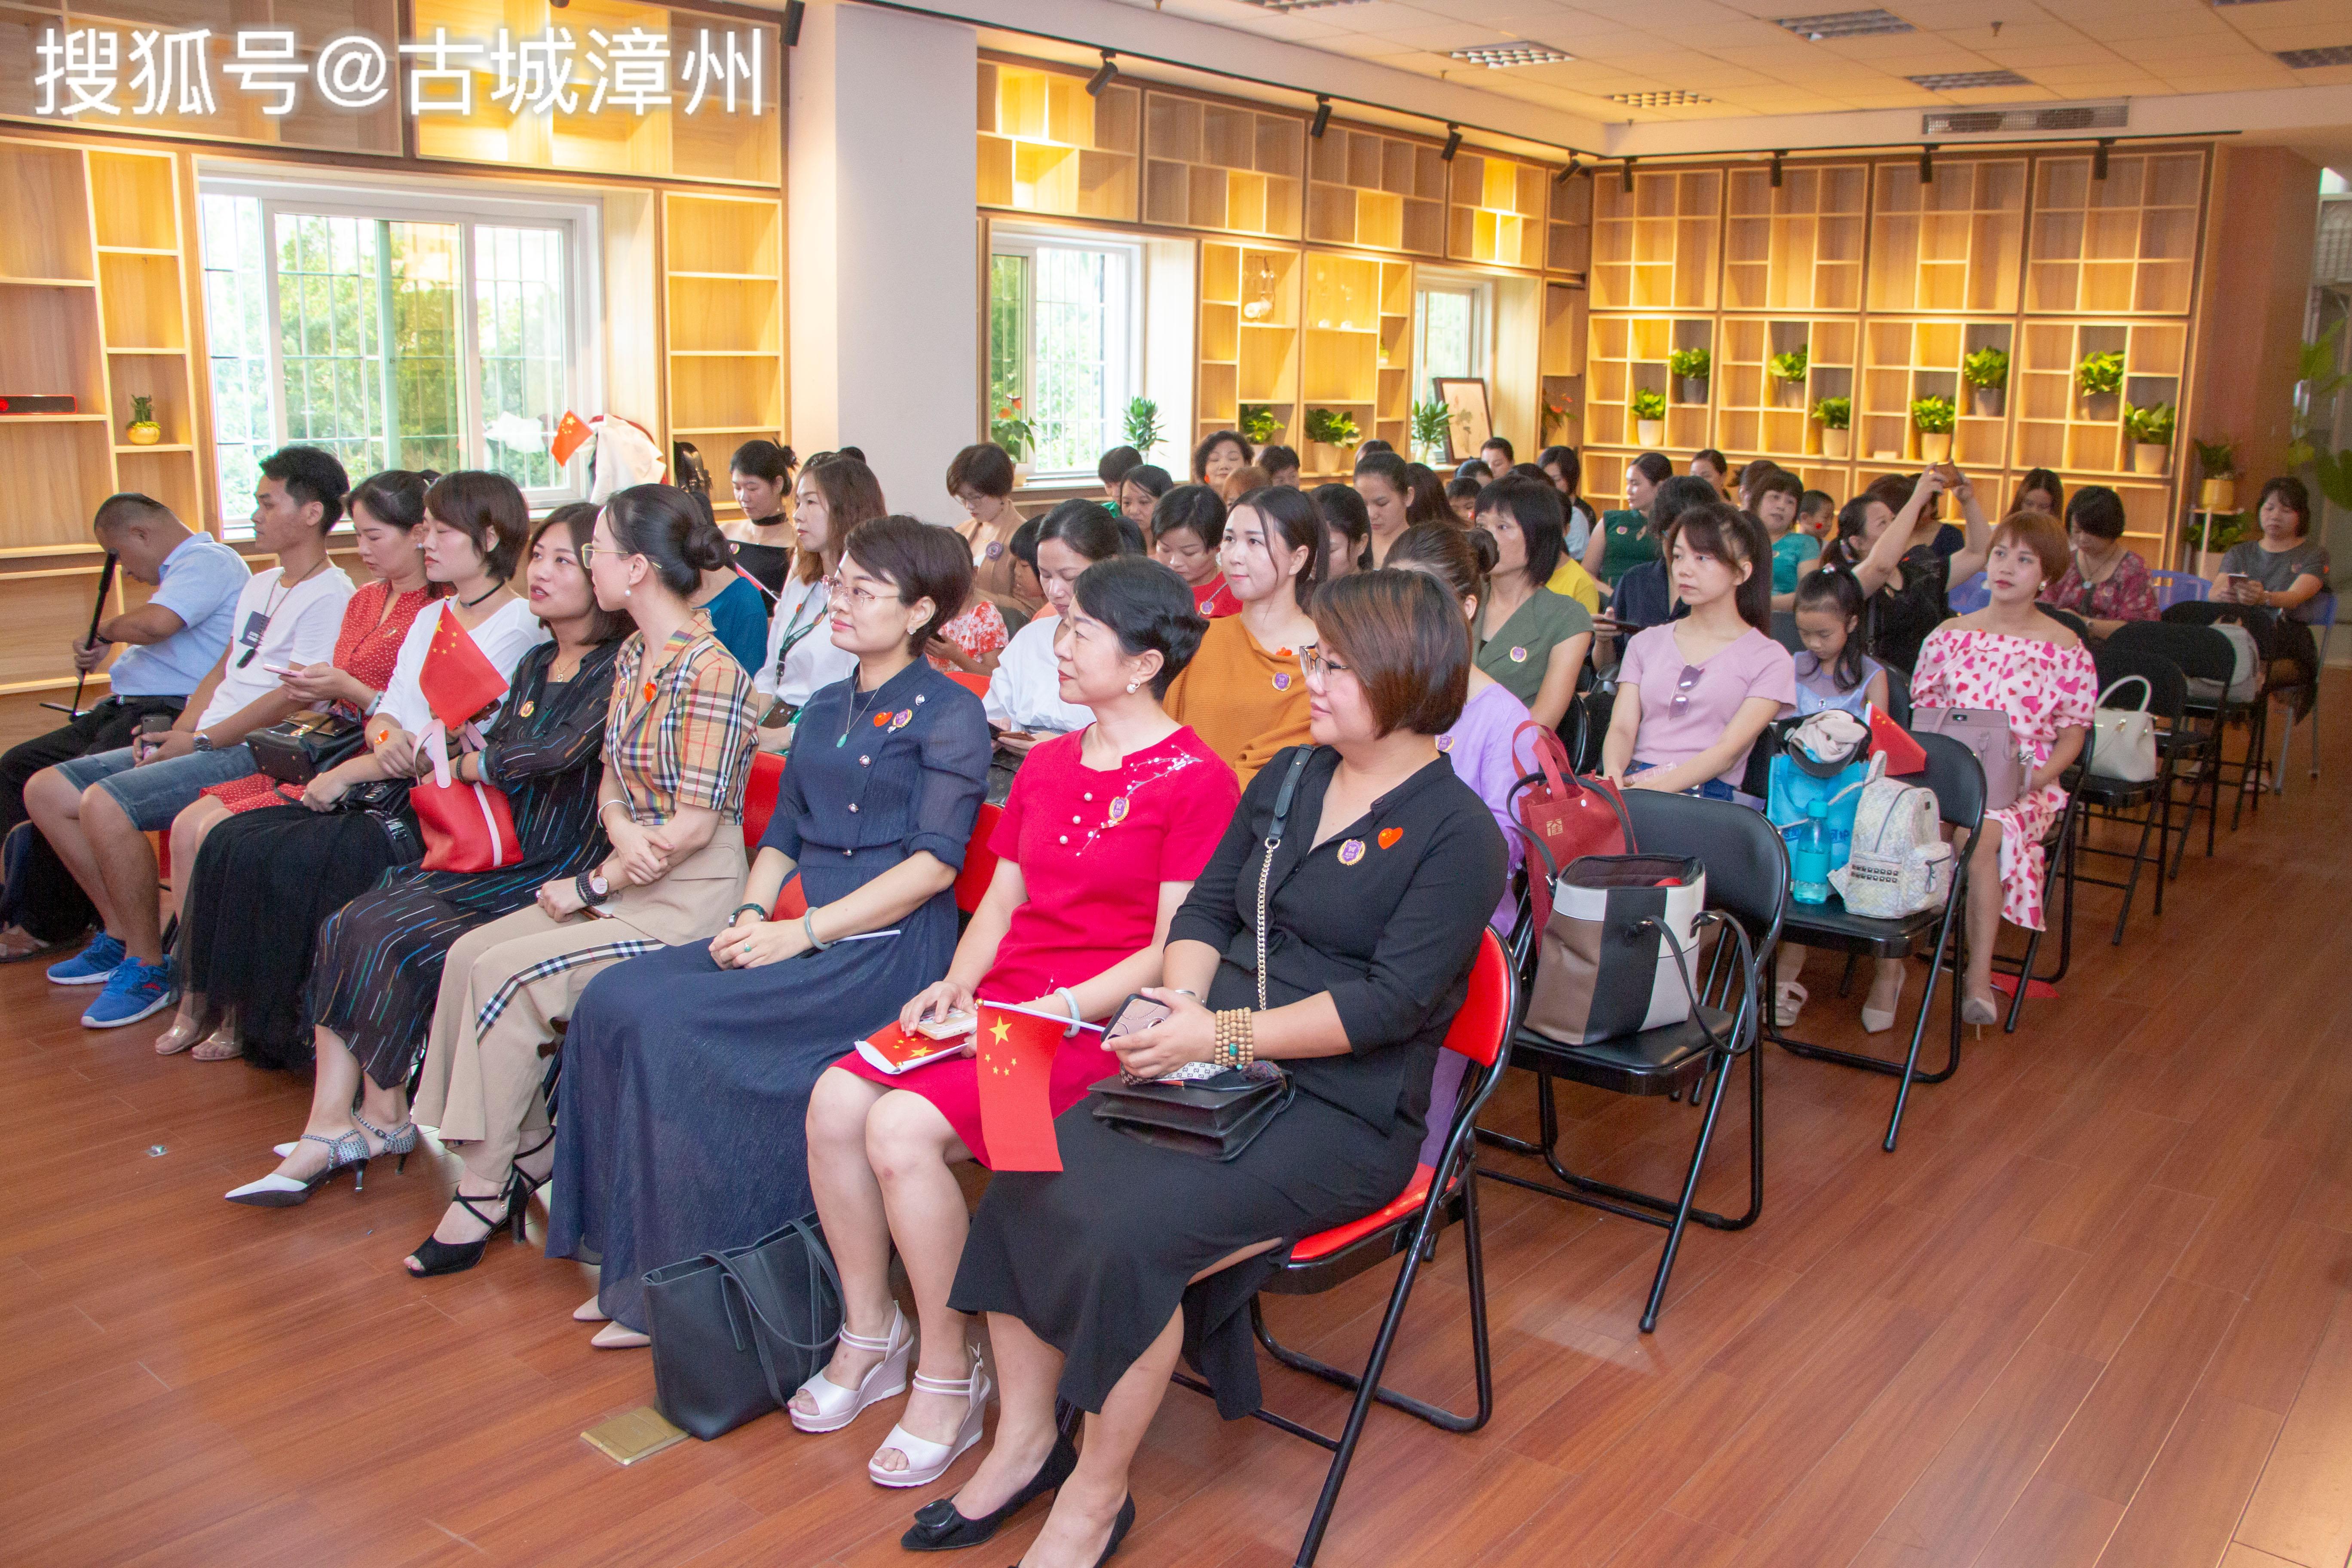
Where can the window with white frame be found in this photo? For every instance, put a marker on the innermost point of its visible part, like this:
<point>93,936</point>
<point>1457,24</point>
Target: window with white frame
<point>397,331</point>
<point>1064,346</point>
<point>1451,332</point>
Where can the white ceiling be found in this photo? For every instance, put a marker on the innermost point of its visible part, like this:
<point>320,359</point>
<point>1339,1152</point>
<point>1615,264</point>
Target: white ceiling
<point>1732,53</point>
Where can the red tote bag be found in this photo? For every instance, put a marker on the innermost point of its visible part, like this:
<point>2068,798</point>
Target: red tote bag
<point>1563,816</point>
<point>466,827</point>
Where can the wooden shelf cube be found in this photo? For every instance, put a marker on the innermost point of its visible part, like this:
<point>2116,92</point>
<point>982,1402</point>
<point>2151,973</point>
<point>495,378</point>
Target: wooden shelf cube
<point>1380,192</point>
<point>1047,146</point>
<point>1220,166</point>
<point>1797,247</point>
<point>46,233</point>
<point>2057,427</point>
<point>1758,414</point>
<point>1248,333</point>
<point>1906,359</point>
<point>1569,248</point>
<point>1499,211</point>
<point>2124,245</point>
<point>1950,244</point>
<point>1657,247</point>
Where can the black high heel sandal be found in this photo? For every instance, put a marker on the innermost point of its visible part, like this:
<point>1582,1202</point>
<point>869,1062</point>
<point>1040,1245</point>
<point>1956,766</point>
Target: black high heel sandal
<point>939,1527</point>
<point>444,1258</point>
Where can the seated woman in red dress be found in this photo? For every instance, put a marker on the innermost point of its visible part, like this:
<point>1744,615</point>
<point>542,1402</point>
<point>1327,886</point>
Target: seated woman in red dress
<point>1101,838</point>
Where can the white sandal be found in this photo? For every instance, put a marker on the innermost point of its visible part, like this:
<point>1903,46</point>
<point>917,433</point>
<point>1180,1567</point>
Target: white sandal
<point>1789,1000</point>
<point>838,1407</point>
<point>926,1462</point>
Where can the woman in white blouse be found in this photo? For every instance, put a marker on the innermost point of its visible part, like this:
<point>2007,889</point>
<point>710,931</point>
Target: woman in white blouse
<point>1025,700</point>
<point>835,495</point>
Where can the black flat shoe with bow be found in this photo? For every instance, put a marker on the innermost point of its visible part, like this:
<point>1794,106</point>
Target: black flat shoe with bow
<point>939,1526</point>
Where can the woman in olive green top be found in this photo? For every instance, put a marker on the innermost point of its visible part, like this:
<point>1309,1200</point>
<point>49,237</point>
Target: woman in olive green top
<point>1528,638</point>
<point>1625,539</point>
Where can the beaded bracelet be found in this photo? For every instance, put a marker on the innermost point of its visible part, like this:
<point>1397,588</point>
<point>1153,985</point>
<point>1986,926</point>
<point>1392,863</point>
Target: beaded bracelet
<point>1237,1044</point>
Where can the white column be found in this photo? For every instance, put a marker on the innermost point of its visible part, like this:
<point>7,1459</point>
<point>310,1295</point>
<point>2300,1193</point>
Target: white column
<point>885,269</point>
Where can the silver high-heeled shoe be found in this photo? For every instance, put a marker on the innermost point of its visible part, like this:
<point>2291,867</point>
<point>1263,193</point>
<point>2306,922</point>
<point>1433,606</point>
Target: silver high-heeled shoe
<point>276,1192</point>
<point>401,1142</point>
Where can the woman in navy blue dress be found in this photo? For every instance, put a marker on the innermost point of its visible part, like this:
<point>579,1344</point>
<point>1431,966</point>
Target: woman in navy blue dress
<point>687,1072</point>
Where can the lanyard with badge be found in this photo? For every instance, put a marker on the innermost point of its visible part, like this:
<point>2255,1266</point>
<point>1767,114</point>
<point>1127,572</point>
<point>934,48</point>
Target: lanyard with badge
<point>257,622</point>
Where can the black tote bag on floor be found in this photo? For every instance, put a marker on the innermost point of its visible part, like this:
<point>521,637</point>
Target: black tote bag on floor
<point>735,1333</point>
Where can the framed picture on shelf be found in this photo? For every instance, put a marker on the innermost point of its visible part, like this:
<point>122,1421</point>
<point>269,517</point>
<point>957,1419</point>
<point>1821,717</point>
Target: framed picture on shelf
<point>1468,421</point>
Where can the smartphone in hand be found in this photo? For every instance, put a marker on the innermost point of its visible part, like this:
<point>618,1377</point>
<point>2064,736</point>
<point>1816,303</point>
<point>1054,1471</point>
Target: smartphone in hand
<point>1135,1015</point>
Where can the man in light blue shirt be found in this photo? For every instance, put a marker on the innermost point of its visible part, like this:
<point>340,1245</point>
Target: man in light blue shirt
<point>172,641</point>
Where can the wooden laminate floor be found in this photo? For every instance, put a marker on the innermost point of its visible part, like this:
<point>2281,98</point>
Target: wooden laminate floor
<point>2097,1311</point>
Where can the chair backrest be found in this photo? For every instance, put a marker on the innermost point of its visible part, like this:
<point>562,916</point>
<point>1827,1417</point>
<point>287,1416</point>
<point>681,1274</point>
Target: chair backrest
<point>1784,631</point>
<point>2069,619</point>
<point>2177,588</point>
<point>2323,608</point>
<point>1488,1011</point>
<point>975,684</point>
<point>2168,688</point>
<point>1957,779</point>
<point>1747,862</point>
<point>979,861</point>
<point>1969,596</point>
<point>2261,623</point>
<point>759,796</point>
<point>2201,652</point>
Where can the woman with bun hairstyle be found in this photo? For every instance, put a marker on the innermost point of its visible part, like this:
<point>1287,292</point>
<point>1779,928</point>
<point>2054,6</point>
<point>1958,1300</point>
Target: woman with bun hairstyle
<point>1244,692</point>
<point>1625,538</point>
<point>762,473</point>
<point>678,749</point>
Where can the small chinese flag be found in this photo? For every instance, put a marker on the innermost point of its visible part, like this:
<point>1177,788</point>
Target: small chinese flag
<point>1017,1073</point>
<point>570,432</point>
<point>457,679</point>
<point>1903,754</point>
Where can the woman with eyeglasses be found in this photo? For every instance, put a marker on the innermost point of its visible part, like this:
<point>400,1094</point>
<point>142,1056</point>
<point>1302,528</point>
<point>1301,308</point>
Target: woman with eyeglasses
<point>727,1033</point>
<point>1693,695</point>
<point>678,749</point>
<point>834,495</point>
<point>1245,693</point>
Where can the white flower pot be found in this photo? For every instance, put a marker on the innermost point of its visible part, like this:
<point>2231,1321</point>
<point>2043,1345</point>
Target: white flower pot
<point>1935,449</point>
<point>1021,471</point>
<point>1837,445</point>
<point>1650,433</point>
<point>2148,458</point>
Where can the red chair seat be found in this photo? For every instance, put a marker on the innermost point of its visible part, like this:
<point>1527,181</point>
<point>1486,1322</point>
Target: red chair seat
<point>975,684</point>
<point>1404,1205</point>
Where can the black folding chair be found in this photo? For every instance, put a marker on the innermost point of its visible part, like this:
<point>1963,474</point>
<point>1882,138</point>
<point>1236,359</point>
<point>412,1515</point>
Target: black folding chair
<point>1407,1227</point>
<point>2057,863</point>
<point>2255,712</point>
<point>1747,893</point>
<point>2200,653</point>
<point>2109,799</point>
<point>1958,786</point>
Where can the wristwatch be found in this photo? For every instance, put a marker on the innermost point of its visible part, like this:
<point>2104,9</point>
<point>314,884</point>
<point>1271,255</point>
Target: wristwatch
<point>592,887</point>
<point>202,741</point>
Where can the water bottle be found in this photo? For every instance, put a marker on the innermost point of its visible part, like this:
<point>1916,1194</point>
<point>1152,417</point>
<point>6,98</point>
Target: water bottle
<point>1809,857</point>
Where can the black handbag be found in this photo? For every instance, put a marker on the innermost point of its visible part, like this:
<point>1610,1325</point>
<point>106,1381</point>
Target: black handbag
<point>735,1333</point>
<point>1214,1117</point>
<point>301,748</point>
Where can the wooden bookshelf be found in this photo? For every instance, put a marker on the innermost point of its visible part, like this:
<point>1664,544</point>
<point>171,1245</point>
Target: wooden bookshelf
<point>1047,146</point>
<point>1569,248</point>
<point>140,230</point>
<point>2059,427</point>
<point>1499,212</point>
<point>2124,245</point>
<point>1356,354</point>
<point>723,291</point>
<point>1757,415</point>
<point>1375,192</point>
<point>1657,247</point>
<point>1222,167</point>
<point>1904,361</point>
<point>1249,335</point>
<point>1954,243</point>
<point>1628,354</point>
<point>1799,246</point>
<point>1560,363</point>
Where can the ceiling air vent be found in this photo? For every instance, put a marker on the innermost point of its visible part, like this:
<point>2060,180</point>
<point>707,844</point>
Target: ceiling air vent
<point>1283,6</point>
<point>1844,25</point>
<point>1676,99</point>
<point>2012,122</point>
<point>1957,82</point>
<point>1494,57</point>
<point>2311,59</point>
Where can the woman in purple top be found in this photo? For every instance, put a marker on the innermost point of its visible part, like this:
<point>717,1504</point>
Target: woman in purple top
<point>1693,695</point>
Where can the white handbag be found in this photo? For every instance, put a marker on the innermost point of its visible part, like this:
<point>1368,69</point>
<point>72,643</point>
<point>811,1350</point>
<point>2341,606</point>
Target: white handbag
<point>1900,863</point>
<point>2123,740</point>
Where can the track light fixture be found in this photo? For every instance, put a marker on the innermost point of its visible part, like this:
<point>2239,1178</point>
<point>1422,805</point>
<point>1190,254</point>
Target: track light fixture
<point>793,11</point>
<point>1570,173</point>
<point>1452,142</point>
<point>1927,163</point>
<point>1629,176</point>
<point>1776,169</point>
<point>1322,116</point>
<point>2099,157</point>
<point>1102,76</point>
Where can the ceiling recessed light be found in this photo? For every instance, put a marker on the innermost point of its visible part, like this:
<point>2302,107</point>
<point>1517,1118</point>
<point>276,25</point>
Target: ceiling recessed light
<point>1954,81</point>
<point>1282,6</point>
<point>1674,99</point>
<point>1495,57</point>
<point>2311,59</point>
<point>1845,24</point>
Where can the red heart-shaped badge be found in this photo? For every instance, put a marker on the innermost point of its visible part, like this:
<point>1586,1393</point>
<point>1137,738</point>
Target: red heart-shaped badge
<point>1389,836</point>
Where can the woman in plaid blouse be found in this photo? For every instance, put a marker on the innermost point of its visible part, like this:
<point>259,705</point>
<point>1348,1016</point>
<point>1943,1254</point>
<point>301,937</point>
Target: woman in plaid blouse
<point>678,751</point>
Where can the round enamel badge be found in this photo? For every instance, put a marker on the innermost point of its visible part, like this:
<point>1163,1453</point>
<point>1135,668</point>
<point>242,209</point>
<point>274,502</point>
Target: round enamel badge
<point>995,548</point>
<point>1352,851</point>
<point>1282,680</point>
<point>1117,813</point>
<point>1519,656</point>
<point>1444,743</point>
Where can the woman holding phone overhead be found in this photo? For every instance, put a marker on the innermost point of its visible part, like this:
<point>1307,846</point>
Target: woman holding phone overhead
<point>1099,845</point>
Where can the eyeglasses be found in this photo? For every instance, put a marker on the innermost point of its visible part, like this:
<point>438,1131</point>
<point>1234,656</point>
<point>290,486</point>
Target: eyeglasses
<point>1316,663</point>
<point>1691,673</point>
<point>860,598</point>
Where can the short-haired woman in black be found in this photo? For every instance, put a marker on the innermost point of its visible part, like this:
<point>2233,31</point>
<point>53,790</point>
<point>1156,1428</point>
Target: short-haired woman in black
<point>1386,868</point>
<point>762,475</point>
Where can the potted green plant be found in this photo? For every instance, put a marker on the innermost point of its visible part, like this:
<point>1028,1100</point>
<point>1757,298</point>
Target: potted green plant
<point>1332,434</point>
<point>1789,369</point>
<point>2100,379</point>
<point>1144,430</point>
<point>1986,372</point>
<point>1257,424</point>
<point>1559,410</point>
<point>1650,419</point>
<point>2150,430</point>
<point>1011,430</point>
<point>1690,368</point>
<point>1429,425</point>
<point>1932,416</point>
<point>1835,416</point>
<point>2217,468</point>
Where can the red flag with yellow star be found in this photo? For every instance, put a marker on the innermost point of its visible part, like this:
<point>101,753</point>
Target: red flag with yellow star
<point>458,679</point>
<point>1017,1072</point>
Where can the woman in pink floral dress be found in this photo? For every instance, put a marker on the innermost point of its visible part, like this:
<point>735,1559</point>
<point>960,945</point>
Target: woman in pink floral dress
<point>2011,656</point>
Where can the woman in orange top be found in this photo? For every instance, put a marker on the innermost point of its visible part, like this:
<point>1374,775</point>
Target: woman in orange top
<point>1244,693</point>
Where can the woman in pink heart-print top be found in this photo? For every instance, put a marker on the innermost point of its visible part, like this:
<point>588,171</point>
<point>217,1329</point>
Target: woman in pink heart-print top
<point>2011,656</point>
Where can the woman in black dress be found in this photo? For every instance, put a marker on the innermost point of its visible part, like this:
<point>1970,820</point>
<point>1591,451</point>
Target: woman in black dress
<point>377,971</point>
<point>1095,1277</point>
<point>762,475</point>
<point>1887,536</point>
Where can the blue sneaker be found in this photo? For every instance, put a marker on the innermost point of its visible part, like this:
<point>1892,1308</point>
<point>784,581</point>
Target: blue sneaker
<point>92,964</point>
<point>134,991</point>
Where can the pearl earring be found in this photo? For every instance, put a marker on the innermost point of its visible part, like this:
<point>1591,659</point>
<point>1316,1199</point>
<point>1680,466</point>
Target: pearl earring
<point>1132,686</point>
